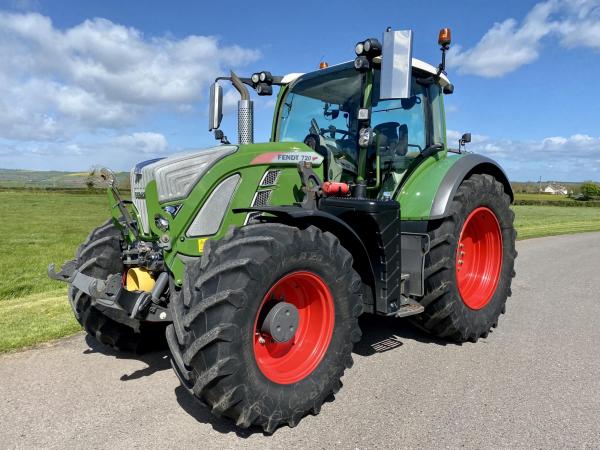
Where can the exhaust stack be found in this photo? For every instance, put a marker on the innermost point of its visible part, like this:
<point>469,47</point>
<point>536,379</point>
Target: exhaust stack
<point>245,112</point>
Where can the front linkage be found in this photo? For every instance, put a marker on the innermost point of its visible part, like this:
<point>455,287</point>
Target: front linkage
<point>111,293</point>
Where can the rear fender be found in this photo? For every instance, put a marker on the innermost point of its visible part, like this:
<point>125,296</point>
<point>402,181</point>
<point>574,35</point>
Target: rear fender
<point>461,170</point>
<point>429,189</point>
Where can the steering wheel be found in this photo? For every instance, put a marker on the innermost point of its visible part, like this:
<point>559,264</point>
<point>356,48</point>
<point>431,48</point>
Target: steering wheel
<point>333,130</point>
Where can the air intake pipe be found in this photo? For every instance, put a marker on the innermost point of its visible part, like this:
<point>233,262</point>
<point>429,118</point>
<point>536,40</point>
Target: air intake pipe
<point>245,112</point>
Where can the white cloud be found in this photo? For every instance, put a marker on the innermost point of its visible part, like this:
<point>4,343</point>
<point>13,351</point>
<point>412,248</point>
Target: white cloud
<point>571,158</point>
<point>509,45</point>
<point>98,75</point>
<point>145,142</point>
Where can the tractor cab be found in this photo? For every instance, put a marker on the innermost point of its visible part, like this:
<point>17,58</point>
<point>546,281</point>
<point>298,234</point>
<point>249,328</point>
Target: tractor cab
<point>371,119</point>
<point>322,109</point>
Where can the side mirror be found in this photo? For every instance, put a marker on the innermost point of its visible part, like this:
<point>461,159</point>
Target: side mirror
<point>396,64</point>
<point>466,138</point>
<point>215,106</point>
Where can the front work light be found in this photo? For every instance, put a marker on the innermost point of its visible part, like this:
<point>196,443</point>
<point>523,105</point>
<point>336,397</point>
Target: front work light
<point>265,77</point>
<point>372,47</point>
<point>359,49</point>
<point>255,78</point>
<point>361,63</point>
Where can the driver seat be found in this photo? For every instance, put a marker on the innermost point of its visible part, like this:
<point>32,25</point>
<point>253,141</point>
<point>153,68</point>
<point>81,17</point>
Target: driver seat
<point>393,138</point>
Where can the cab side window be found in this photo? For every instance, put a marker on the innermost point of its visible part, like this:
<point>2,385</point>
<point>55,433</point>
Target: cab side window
<point>400,124</point>
<point>400,134</point>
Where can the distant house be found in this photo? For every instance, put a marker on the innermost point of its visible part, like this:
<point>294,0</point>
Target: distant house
<point>555,189</point>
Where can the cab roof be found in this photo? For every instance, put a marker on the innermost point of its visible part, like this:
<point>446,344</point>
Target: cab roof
<point>416,63</point>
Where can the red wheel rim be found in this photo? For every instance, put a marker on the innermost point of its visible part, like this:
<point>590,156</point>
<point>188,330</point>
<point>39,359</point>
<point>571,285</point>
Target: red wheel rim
<point>292,361</point>
<point>479,258</point>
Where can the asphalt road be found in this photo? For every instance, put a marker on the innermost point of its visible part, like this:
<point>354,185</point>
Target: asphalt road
<point>533,383</point>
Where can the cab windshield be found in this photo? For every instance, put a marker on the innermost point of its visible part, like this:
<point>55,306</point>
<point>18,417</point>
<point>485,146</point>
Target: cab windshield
<point>320,110</point>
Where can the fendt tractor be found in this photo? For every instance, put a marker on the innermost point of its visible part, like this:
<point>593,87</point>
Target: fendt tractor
<point>257,259</point>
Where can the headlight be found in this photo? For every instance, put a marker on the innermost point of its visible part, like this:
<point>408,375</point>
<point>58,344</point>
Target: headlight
<point>176,176</point>
<point>208,220</point>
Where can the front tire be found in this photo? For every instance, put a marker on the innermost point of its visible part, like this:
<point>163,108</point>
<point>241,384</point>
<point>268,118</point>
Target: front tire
<point>100,256</point>
<point>215,336</point>
<point>470,265</point>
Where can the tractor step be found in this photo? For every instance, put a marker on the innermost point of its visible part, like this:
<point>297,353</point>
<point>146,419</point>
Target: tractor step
<point>409,307</point>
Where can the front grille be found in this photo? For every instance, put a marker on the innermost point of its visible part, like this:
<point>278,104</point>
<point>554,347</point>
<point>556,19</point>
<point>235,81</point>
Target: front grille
<point>261,198</point>
<point>270,178</point>
<point>251,216</point>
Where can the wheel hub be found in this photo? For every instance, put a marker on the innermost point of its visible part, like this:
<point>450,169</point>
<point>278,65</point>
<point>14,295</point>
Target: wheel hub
<point>281,322</point>
<point>285,355</point>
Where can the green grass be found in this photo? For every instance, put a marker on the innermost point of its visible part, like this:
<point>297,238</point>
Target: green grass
<point>537,221</point>
<point>544,197</point>
<point>30,320</point>
<point>43,227</point>
<point>39,228</point>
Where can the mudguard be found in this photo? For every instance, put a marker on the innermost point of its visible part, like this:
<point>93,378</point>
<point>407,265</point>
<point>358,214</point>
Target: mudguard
<point>463,168</point>
<point>429,189</point>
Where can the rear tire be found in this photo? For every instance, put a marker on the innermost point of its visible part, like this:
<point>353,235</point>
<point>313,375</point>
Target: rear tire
<point>213,337</point>
<point>469,316</point>
<point>100,256</point>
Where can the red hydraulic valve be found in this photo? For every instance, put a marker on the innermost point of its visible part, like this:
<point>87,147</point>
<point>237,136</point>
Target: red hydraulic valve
<point>335,188</point>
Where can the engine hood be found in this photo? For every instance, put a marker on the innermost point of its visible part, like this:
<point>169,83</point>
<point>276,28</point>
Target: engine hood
<point>175,176</point>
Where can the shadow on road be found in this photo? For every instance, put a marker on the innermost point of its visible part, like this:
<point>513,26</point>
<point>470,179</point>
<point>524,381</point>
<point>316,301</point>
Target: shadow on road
<point>203,415</point>
<point>155,361</point>
<point>381,334</point>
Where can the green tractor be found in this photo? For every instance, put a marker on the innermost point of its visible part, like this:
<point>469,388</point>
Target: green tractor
<point>257,259</point>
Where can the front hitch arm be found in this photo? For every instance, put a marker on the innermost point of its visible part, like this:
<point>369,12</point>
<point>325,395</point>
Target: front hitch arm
<point>110,293</point>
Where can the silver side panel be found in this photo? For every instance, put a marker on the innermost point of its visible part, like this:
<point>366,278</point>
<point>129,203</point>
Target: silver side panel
<point>396,65</point>
<point>208,220</point>
<point>138,196</point>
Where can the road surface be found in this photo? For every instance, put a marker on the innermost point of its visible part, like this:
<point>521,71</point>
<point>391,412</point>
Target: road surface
<point>534,382</point>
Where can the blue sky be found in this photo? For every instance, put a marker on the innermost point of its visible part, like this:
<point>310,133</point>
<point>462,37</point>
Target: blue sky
<point>111,83</point>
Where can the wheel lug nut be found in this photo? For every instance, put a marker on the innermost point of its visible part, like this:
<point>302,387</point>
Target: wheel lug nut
<point>460,261</point>
<point>261,340</point>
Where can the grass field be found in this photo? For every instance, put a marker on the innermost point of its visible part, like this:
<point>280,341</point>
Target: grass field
<point>40,228</point>
<point>544,197</point>
<point>537,221</point>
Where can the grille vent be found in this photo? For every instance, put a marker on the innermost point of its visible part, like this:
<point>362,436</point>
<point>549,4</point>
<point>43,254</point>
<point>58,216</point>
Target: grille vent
<point>261,198</point>
<point>270,178</point>
<point>251,216</point>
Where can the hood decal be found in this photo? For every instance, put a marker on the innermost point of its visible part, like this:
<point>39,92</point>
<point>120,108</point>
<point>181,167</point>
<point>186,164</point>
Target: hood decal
<point>288,158</point>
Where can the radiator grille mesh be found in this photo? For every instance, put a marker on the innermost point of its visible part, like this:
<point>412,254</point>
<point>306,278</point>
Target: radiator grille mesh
<point>270,178</point>
<point>261,198</point>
